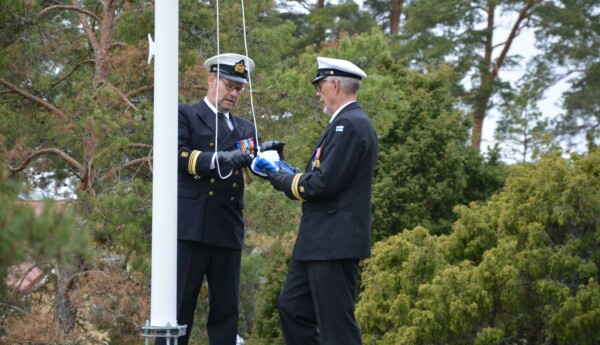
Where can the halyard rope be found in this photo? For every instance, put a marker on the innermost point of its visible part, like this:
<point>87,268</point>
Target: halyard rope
<point>217,88</point>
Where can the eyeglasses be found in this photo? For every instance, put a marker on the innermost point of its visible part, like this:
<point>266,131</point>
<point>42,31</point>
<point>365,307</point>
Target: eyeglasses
<point>230,87</point>
<point>319,85</point>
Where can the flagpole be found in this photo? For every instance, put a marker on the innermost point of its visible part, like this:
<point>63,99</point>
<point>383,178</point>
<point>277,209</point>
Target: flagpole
<point>165,50</point>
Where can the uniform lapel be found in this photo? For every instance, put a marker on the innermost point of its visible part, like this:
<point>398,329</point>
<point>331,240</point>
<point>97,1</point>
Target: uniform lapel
<point>327,131</point>
<point>206,115</point>
<point>231,137</point>
<point>209,118</point>
<point>317,145</point>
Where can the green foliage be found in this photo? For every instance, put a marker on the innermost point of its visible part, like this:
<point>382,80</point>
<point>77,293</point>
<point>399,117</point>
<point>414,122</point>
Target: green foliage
<point>475,38</point>
<point>425,166</point>
<point>521,268</point>
<point>53,237</point>
<point>582,107</point>
<point>122,222</point>
<point>333,21</point>
<point>267,212</point>
<point>521,125</point>
<point>578,315</point>
<point>473,233</point>
<point>434,30</point>
<point>13,218</point>
<point>253,268</point>
<point>268,36</point>
<point>390,280</point>
<point>569,34</point>
<point>135,24</point>
<point>267,327</point>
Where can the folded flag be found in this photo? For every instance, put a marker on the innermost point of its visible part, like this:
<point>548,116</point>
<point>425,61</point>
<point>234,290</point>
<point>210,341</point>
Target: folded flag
<point>285,167</point>
<point>269,161</point>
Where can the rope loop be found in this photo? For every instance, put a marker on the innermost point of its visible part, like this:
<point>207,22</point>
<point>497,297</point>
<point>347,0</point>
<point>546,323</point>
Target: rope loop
<point>217,89</point>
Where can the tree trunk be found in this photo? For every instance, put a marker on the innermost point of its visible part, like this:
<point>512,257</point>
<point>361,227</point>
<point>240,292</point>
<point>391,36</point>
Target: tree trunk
<point>477,132</point>
<point>395,16</point>
<point>484,93</point>
<point>65,313</point>
<point>489,70</point>
<point>106,34</point>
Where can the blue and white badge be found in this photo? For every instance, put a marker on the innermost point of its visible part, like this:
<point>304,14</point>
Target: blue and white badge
<point>339,128</point>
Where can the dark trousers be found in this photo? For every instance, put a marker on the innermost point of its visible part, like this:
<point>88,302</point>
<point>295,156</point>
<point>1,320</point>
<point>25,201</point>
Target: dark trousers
<point>316,305</point>
<point>221,266</point>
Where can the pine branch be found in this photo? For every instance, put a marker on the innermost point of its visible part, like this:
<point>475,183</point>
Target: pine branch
<point>120,93</point>
<point>136,164</point>
<point>118,44</point>
<point>25,94</point>
<point>12,293</point>
<point>13,307</point>
<point>86,27</point>
<point>73,8</point>
<point>140,146</point>
<point>50,151</point>
<point>139,162</point>
<point>139,91</point>
<point>72,71</point>
<point>513,33</point>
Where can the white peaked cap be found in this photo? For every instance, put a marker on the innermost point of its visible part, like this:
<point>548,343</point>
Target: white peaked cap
<point>327,67</point>
<point>232,66</point>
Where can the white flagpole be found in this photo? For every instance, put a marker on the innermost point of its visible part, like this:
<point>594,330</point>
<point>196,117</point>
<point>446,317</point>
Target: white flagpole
<point>163,309</point>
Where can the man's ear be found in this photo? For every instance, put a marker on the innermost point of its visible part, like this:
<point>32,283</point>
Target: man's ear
<point>211,80</point>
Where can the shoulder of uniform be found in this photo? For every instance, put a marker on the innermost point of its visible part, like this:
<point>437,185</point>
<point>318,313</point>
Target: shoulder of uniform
<point>185,108</point>
<point>241,120</point>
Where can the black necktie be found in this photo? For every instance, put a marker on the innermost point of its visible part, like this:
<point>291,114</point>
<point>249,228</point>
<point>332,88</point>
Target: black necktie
<point>223,124</point>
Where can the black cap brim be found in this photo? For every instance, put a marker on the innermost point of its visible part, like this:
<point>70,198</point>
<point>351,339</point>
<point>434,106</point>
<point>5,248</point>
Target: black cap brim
<point>318,79</point>
<point>232,78</point>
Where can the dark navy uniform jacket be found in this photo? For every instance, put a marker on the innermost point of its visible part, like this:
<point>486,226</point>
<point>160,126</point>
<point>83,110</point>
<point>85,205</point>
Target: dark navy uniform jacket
<point>336,190</point>
<point>210,208</point>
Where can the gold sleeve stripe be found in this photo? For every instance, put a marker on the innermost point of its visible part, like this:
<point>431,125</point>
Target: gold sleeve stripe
<point>295,187</point>
<point>196,155</point>
<point>192,162</point>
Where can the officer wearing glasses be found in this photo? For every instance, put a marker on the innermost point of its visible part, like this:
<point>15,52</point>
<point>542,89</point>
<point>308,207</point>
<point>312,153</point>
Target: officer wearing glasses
<point>210,225</point>
<point>316,305</point>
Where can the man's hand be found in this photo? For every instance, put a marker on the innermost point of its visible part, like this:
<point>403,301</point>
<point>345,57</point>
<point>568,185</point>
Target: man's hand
<point>278,180</point>
<point>273,145</point>
<point>234,159</point>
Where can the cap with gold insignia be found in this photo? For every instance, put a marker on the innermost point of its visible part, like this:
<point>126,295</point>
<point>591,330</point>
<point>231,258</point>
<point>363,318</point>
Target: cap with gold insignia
<point>231,66</point>
<point>328,67</point>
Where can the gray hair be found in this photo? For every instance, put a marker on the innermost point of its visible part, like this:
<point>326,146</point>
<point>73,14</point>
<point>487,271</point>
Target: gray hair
<point>349,85</point>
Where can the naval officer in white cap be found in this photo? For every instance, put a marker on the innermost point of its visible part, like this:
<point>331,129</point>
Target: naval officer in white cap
<point>316,305</point>
<point>210,226</point>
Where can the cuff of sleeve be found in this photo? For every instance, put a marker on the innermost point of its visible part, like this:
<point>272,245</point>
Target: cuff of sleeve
<point>295,188</point>
<point>192,162</point>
